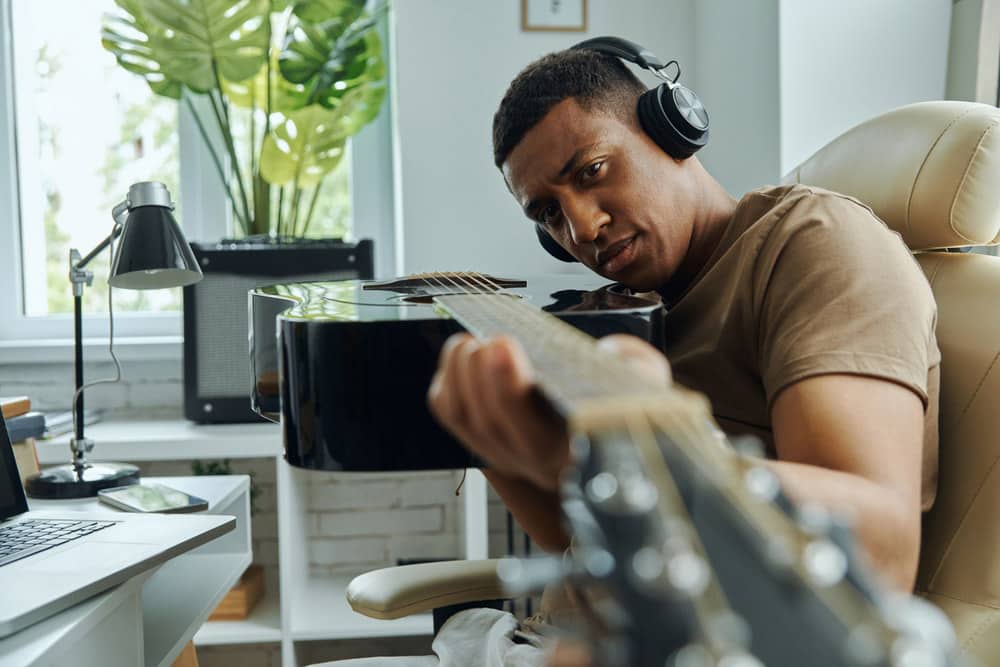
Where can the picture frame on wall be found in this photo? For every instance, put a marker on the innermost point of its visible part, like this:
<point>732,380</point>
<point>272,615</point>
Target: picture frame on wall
<point>554,15</point>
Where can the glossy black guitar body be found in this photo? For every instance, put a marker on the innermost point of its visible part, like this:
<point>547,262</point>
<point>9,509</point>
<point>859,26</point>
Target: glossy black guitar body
<point>346,367</point>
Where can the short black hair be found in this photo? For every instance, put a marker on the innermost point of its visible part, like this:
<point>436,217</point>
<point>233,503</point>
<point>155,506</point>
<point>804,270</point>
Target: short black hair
<point>597,81</point>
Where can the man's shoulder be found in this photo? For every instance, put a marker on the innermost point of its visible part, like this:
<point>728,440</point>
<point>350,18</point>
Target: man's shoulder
<point>793,197</point>
<point>780,213</point>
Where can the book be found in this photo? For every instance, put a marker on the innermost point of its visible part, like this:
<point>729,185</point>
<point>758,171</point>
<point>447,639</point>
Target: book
<point>26,457</point>
<point>12,406</point>
<point>57,423</point>
<point>28,425</point>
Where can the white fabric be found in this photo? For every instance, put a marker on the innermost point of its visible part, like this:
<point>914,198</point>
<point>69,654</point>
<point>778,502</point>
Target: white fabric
<point>471,638</point>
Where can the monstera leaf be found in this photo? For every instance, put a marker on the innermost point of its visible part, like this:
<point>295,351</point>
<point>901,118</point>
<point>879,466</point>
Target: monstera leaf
<point>127,37</point>
<point>314,11</point>
<point>252,93</point>
<point>196,41</point>
<point>332,56</point>
<point>305,147</point>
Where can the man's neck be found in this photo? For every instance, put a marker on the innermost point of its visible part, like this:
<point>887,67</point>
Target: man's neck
<point>710,224</point>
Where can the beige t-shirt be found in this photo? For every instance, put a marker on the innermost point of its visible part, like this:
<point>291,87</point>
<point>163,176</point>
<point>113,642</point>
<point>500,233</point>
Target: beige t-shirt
<point>805,282</point>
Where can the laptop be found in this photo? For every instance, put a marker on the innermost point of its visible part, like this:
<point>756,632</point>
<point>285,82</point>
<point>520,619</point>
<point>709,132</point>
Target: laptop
<point>51,560</point>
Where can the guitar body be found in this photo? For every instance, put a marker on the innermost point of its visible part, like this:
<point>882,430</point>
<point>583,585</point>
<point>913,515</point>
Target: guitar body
<point>346,365</point>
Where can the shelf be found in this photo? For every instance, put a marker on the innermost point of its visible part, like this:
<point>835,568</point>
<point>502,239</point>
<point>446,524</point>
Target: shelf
<point>188,586</point>
<point>167,440</point>
<point>262,626</point>
<point>321,612</point>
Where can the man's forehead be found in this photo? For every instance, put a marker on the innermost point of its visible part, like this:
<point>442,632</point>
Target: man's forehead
<point>544,150</point>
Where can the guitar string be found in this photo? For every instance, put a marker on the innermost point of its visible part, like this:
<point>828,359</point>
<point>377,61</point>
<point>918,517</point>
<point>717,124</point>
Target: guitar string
<point>607,377</point>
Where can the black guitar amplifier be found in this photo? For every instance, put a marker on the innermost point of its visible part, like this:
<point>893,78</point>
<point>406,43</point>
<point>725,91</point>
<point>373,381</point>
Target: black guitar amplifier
<point>217,375</point>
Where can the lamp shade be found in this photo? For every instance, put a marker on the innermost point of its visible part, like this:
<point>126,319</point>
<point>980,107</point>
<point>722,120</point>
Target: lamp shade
<point>152,252</point>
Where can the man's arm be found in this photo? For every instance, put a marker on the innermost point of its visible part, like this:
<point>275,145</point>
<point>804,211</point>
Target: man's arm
<point>850,443</point>
<point>854,444</point>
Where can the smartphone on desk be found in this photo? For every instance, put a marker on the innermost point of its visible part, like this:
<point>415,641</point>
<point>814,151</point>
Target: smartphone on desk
<point>151,497</point>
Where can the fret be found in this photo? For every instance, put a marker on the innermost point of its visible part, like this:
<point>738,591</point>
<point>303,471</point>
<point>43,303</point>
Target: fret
<point>571,368</point>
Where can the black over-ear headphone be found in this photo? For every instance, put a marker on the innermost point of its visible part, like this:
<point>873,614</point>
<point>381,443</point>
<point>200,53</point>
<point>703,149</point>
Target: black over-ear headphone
<point>671,114</point>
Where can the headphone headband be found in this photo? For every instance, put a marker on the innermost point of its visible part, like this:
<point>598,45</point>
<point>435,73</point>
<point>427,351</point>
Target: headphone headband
<point>624,49</point>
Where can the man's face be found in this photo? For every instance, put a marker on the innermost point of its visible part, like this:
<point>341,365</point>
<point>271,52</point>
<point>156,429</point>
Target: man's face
<point>606,193</point>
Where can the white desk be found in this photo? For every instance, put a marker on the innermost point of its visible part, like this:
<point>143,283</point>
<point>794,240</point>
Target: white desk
<point>148,619</point>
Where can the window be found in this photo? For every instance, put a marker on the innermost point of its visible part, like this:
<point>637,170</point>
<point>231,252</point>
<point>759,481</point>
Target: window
<point>84,130</point>
<point>75,130</point>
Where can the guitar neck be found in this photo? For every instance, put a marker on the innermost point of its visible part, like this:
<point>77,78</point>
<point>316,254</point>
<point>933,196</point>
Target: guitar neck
<point>571,369</point>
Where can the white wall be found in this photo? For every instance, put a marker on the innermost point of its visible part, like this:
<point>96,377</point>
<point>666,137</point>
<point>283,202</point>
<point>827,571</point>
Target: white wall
<point>735,70</point>
<point>454,61</point>
<point>779,78</point>
<point>846,61</point>
<point>974,54</point>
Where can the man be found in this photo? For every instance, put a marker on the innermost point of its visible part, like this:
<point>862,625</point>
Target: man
<point>795,310</point>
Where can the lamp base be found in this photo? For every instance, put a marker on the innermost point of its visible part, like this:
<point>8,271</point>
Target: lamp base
<point>64,482</point>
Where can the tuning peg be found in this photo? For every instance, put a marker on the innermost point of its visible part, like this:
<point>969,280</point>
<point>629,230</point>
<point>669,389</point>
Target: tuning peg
<point>520,576</point>
<point>729,629</point>
<point>926,637</point>
<point>602,488</point>
<point>745,445</point>
<point>762,483</point>
<point>625,492</point>
<point>825,562</point>
<point>597,563</point>
<point>813,518</point>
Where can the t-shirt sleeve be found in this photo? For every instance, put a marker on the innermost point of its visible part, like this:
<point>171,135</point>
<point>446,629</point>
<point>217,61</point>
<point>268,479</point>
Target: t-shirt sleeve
<point>838,292</point>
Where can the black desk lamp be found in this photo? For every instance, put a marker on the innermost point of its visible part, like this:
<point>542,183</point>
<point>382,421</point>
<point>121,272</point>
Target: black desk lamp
<point>152,254</point>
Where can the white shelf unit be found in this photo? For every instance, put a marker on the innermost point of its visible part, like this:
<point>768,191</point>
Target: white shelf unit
<point>305,607</point>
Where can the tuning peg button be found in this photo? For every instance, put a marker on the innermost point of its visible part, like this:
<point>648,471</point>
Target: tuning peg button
<point>825,562</point>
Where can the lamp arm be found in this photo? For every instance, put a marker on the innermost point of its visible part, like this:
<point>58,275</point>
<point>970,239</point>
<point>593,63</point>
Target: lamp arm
<point>115,232</point>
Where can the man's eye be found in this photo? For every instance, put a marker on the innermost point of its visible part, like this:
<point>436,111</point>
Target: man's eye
<point>549,214</point>
<point>591,170</point>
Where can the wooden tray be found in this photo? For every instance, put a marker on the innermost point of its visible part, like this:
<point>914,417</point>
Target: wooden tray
<point>240,600</point>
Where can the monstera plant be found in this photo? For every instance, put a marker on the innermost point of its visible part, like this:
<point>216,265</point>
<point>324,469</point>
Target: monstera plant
<point>283,83</point>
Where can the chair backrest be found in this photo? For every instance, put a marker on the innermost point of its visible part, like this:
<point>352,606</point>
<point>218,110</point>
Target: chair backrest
<point>931,171</point>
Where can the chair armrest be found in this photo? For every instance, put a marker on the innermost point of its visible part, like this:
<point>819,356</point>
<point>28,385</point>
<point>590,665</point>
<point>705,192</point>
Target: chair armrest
<point>394,592</point>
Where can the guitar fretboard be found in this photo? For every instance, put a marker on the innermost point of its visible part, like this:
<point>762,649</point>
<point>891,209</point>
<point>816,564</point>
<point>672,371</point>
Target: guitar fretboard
<point>571,368</point>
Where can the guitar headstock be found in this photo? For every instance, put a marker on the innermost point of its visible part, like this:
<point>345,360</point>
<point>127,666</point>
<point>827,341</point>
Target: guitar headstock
<point>706,561</point>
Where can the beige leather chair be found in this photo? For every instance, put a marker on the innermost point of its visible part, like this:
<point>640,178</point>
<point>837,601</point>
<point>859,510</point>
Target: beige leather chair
<point>932,172</point>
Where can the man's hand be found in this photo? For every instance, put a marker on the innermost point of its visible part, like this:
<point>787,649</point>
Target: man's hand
<point>485,393</point>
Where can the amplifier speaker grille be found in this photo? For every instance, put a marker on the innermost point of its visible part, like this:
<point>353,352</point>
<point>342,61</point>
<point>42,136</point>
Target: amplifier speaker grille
<point>217,375</point>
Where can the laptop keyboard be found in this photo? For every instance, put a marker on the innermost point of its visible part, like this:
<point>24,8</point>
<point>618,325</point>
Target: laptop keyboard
<point>25,538</point>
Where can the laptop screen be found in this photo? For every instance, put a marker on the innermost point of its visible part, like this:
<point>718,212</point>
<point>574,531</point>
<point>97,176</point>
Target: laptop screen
<point>12,500</point>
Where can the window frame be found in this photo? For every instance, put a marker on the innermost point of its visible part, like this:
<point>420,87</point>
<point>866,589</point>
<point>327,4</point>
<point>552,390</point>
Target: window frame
<point>26,339</point>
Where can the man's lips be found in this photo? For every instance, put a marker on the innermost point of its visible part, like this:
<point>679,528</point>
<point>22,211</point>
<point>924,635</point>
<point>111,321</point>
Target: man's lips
<point>606,258</point>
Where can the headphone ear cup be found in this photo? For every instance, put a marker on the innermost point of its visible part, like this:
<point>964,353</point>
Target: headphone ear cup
<point>551,246</point>
<point>675,119</point>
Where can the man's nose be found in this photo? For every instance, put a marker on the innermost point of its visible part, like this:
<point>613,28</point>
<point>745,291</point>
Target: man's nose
<point>586,220</point>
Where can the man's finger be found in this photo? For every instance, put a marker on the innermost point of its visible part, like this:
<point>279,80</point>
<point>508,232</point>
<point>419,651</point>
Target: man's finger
<point>645,359</point>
